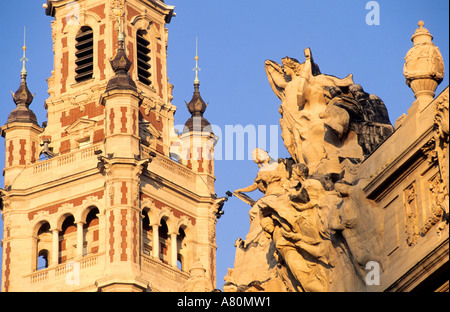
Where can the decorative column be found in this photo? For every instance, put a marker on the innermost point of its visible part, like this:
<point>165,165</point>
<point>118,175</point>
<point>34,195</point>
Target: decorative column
<point>55,247</point>
<point>80,238</point>
<point>174,249</point>
<point>155,230</point>
<point>424,66</point>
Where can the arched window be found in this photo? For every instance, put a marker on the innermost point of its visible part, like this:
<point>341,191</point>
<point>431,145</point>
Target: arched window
<point>164,242</point>
<point>42,262</point>
<point>44,244</point>
<point>84,54</point>
<point>143,57</point>
<point>147,234</point>
<point>180,250</point>
<point>67,240</point>
<point>91,233</point>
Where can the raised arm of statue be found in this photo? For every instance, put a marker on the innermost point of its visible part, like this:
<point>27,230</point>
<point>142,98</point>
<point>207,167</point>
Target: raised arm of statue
<point>276,77</point>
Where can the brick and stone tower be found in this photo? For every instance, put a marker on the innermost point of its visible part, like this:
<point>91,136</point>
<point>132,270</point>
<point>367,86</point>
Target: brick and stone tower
<point>94,201</point>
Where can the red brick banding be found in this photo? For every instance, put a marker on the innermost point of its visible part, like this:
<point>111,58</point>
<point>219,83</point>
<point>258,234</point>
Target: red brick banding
<point>124,190</point>
<point>111,236</point>
<point>99,10</point>
<point>64,70</point>
<point>75,202</point>
<point>101,56</point>
<point>10,151</point>
<point>124,119</point>
<point>111,120</point>
<point>22,152</point>
<point>123,234</point>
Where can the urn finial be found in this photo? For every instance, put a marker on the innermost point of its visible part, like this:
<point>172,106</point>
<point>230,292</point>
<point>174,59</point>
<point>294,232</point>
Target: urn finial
<point>424,66</point>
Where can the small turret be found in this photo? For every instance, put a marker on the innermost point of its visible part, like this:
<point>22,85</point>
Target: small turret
<point>21,131</point>
<point>197,107</point>
<point>22,97</point>
<point>198,139</point>
<point>121,65</point>
<point>122,102</point>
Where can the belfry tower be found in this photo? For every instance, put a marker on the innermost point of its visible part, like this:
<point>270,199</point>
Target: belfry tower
<point>98,198</point>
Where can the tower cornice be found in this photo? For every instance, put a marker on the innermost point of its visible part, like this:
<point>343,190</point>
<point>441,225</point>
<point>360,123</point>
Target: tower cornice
<point>160,6</point>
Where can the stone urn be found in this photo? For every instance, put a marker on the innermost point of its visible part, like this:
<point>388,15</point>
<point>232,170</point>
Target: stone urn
<point>424,66</point>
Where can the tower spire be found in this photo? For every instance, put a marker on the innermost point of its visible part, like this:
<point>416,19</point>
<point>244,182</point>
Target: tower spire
<point>197,105</point>
<point>121,64</point>
<point>196,69</point>
<point>24,58</point>
<point>23,97</point>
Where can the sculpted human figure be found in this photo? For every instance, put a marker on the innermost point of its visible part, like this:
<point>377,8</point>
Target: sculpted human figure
<point>289,214</point>
<point>314,208</point>
<point>303,109</point>
<point>270,179</point>
<point>354,218</point>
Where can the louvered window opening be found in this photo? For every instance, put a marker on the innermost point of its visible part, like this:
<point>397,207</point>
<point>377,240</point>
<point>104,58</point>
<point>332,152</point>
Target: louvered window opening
<point>143,58</point>
<point>85,54</point>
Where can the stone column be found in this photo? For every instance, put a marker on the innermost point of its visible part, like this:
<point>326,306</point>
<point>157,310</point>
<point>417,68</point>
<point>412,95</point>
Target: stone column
<point>155,229</point>
<point>174,249</point>
<point>55,247</point>
<point>80,239</point>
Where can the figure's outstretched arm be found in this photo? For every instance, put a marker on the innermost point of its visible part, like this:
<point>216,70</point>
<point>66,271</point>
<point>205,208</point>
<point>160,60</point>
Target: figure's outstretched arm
<point>276,78</point>
<point>245,198</point>
<point>247,189</point>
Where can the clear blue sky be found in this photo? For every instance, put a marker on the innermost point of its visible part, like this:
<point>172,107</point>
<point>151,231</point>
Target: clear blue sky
<point>235,38</point>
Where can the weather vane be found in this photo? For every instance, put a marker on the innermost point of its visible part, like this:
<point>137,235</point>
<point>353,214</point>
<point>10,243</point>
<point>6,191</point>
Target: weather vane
<point>196,69</point>
<point>119,13</point>
<point>24,59</point>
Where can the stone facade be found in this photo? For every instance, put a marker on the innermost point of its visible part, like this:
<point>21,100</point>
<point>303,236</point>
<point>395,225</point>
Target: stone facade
<point>360,205</point>
<point>94,200</point>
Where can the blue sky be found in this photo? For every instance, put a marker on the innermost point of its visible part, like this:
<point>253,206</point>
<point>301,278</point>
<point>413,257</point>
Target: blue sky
<point>235,38</point>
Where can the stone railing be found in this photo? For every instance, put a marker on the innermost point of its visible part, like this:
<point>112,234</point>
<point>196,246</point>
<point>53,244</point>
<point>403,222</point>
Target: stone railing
<point>67,271</point>
<point>60,166</point>
<point>169,165</point>
<point>63,160</point>
<point>156,267</point>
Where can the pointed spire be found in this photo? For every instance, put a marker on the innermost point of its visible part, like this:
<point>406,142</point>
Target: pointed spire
<point>22,97</point>
<point>120,63</point>
<point>24,58</point>
<point>197,105</point>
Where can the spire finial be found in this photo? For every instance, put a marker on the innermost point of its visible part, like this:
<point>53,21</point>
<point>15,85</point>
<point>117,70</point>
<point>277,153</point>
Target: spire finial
<point>24,59</point>
<point>23,97</point>
<point>120,63</point>
<point>197,69</point>
<point>119,13</point>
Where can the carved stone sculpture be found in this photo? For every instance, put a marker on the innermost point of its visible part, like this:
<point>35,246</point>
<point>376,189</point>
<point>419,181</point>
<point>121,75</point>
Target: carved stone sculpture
<point>198,281</point>
<point>324,119</point>
<point>322,227</point>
